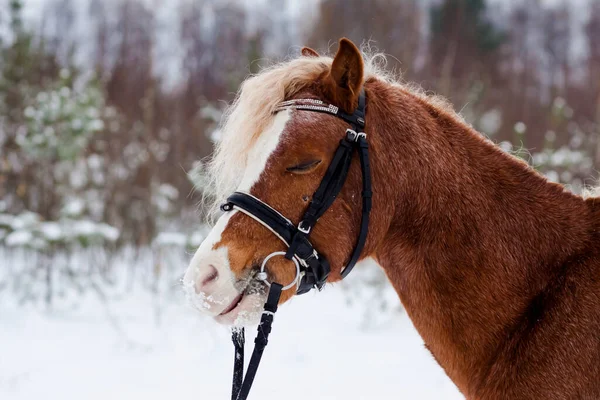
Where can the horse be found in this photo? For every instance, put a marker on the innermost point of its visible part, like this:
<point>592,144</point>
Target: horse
<point>498,268</point>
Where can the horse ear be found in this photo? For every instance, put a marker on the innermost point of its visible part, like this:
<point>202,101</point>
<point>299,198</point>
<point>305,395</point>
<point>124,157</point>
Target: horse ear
<point>308,52</point>
<point>345,79</point>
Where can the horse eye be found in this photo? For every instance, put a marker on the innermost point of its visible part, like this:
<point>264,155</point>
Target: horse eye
<point>304,167</point>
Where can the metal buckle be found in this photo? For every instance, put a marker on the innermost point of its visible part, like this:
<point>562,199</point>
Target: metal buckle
<point>353,136</point>
<point>304,262</point>
<point>301,261</point>
<point>306,231</point>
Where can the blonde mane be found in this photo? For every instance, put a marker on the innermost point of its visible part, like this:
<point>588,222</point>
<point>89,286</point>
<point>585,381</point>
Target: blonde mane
<point>252,111</point>
<point>591,192</point>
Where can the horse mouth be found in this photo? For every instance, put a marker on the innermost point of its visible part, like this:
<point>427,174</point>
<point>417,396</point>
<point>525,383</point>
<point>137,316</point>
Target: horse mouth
<point>242,311</point>
<point>246,307</point>
<point>233,304</point>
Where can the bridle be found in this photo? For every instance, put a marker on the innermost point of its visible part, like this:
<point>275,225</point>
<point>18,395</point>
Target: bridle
<point>312,268</point>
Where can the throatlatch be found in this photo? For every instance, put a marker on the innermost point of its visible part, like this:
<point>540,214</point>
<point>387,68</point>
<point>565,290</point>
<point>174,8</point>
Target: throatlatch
<point>312,267</point>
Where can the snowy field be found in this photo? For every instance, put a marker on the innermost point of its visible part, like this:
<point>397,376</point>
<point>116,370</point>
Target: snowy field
<point>127,341</point>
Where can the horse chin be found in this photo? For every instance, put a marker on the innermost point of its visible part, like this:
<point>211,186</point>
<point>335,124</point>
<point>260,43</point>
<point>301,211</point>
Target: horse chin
<point>245,310</point>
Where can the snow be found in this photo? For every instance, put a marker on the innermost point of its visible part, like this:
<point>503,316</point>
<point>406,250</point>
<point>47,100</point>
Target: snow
<point>25,220</point>
<point>566,156</point>
<point>95,161</point>
<point>550,136</point>
<point>170,239</point>
<point>28,229</point>
<point>144,345</point>
<point>18,238</point>
<point>6,220</point>
<point>491,121</point>
<point>83,228</point>
<point>520,127</point>
<point>109,233</point>
<point>74,207</point>
<point>164,195</point>
<point>168,191</point>
<point>196,238</point>
<point>552,176</point>
<point>506,146</point>
<point>51,230</point>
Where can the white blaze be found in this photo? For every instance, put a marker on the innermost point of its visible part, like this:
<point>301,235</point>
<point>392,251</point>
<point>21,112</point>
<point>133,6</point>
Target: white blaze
<point>262,150</point>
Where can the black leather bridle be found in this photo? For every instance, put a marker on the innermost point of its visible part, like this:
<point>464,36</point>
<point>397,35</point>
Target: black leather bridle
<point>312,268</point>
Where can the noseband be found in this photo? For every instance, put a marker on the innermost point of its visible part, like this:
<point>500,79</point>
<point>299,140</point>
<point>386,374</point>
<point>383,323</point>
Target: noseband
<point>311,266</point>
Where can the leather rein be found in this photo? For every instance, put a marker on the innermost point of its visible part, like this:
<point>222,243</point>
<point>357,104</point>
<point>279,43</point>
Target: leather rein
<point>312,268</point>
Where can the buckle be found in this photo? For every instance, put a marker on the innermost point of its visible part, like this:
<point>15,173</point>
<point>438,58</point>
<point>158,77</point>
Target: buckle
<point>353,136</point>
<point>306,231</point>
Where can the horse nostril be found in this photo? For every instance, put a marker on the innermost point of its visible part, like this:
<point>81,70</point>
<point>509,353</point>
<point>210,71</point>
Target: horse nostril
<point>210,276</point>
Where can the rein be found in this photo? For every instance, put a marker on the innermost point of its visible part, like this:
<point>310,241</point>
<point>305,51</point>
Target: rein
<point>312,268</point>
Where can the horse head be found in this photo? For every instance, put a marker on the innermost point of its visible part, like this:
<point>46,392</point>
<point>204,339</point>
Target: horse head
<point>278,155</point>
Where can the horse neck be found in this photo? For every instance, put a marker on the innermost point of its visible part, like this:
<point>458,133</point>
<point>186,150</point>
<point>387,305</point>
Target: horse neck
<point>473,235</point>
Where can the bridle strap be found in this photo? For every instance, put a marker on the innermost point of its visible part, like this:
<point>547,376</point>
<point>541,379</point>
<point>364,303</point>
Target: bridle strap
<point>239,339</point>
<point>330,185</point>
<point>366,194</point>
<point>241,388</point>
<point>262,213</point>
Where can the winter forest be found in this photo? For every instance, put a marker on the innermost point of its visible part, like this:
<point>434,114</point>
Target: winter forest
<point>108,110</point>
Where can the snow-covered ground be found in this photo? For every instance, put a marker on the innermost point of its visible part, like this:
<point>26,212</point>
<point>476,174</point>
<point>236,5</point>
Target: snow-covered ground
<point>140,344</point>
